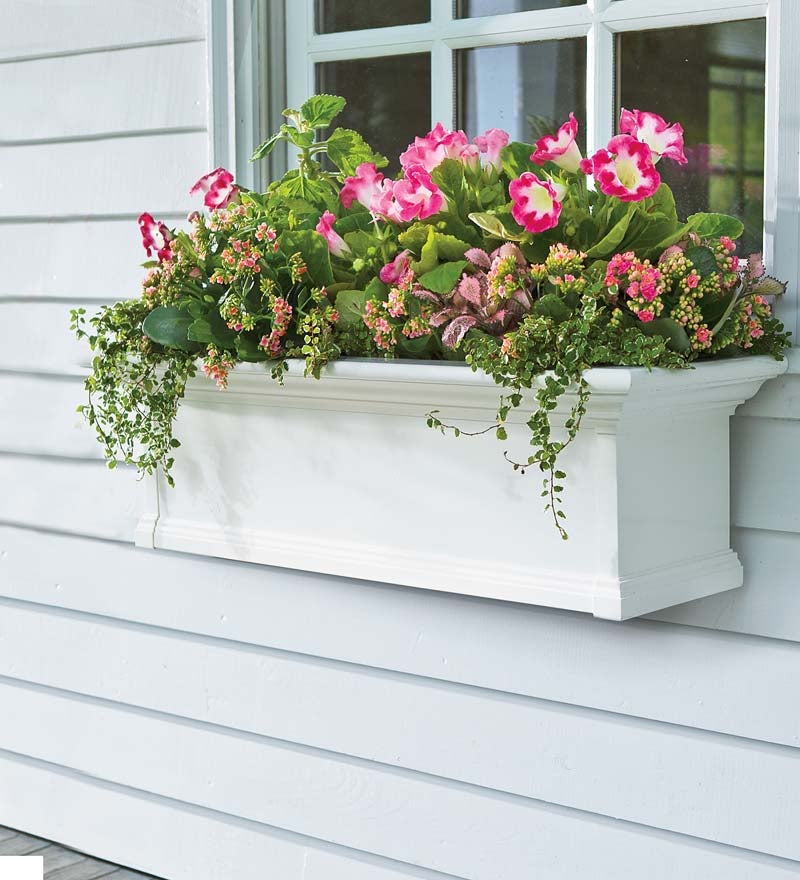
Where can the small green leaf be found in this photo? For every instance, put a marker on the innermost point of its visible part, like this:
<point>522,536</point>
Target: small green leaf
<point>443,278</point>
<point>211,329</point>
<point>492,224</point>
<point>267,147</point>
<point>320,110</point>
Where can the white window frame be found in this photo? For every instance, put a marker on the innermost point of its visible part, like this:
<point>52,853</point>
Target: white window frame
<point>247,60</point>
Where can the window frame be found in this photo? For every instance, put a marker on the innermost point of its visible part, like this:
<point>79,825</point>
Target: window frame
<point>252,76</point>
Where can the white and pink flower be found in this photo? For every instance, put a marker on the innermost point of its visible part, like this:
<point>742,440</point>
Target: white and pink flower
<point>156,238</point>
<point>561,148</point>
<point>395,271</point>
<point>649,128</point>
<point>536,203</point>
<point>336,244</point>
<point>439,144</point>
<point>362,187</point>
<point>491,143</point>
<point>417,196</point>
<point>217,187</point>
<point>625,169</point>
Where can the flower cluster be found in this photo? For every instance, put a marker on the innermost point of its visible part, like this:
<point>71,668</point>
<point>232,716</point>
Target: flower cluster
<point>402,314</point>
<point>639,281</point>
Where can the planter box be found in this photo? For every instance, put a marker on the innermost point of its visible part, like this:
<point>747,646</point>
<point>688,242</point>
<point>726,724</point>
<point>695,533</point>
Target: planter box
<point>342,476</point>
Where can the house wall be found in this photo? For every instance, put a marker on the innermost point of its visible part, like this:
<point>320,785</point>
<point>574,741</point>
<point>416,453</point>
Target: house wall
<point>197,718</point>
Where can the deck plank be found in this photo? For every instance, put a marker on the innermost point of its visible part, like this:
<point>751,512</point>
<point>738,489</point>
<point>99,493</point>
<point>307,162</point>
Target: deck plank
<point>61,863</point>
<point>21,845</point>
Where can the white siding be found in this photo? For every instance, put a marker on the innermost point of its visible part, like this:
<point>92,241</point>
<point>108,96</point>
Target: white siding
<point>197,718</point>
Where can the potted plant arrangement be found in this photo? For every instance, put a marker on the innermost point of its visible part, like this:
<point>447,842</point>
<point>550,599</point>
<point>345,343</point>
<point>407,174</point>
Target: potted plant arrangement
<point>621,339</point>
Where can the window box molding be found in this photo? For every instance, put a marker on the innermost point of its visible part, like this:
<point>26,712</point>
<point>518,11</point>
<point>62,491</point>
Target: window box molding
<point>363,489</point>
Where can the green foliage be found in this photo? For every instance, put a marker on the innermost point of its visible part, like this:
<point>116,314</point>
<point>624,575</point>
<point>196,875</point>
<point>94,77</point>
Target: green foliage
<point>314,251</point>
<point>320,110</point>
<point>670,330</point>
<point>347,150</point>
<point>169,326</point>
<point>444,277</point>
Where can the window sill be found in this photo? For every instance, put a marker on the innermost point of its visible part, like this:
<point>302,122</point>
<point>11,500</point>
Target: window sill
<point>342,477</point>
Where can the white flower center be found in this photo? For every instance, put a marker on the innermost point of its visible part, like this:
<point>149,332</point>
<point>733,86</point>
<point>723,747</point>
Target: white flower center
<point>628,173</point>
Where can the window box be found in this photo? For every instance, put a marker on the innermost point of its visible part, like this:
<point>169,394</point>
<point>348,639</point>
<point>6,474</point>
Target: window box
<point>343,477</point>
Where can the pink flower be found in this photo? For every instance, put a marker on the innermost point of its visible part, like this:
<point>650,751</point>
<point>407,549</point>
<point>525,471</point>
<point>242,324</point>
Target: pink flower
<point>625,169</point>
<point>336,244</point>
<point>702,334</point>
<point>651,129</point>
<point>492,143</point>
<point>383,202</point>
<point>417,195</point>
<point>218,188</point>
<point>439,144</point>
<point>560,148</point>
<point>362,187</point>
<point>536,204</point>
<point>393,272</point>
<point>645,315</point>
<point>155,238</point>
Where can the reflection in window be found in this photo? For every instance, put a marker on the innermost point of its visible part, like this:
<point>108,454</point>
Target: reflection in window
<point>475,8</point>
<point>717,93</point>
<point>528,89</point>
<point>355,15</point>
<point>388,99</point>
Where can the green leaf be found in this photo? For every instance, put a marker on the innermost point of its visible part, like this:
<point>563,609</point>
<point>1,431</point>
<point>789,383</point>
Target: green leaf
<point>211,329</point>
<point>552,306</point>
<point>443,278</point>
<point>249,350</point>
<point>267,147</point>
<point>359,221</point>
<point>415,236</point>
<point>663,202</point>
<point>450,247</point>
<point>377,289</point>
<point>671,330</point>
<point>715,308</point>
<point>703,260</point>
<point>449,177</point>
<point>320,110</point>
<point>359,242</point>
<point>492,224</point>
<point>715,225</point>
<point>609,243</point>
<point>169,327</point>
<point>350,305</point>
<point>347,150</point>
<point>429,256</point>
<point>725,315</point>
<point>516,159</point>
<point>418,347</point>
<point>314,250</point>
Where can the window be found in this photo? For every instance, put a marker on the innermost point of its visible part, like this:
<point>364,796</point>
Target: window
<point>731,67</point>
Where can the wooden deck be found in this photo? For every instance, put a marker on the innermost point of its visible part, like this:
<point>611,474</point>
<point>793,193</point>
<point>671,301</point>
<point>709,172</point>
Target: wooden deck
<point>61,863</point>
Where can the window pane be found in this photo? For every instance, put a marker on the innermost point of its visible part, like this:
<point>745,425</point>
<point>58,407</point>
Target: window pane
<point>475,8</point>
<point>355,15</point>
<point>716,91</point>
<point>528,89</point>
<point>388,99</point>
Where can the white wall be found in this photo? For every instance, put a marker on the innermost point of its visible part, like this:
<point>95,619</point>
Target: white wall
<point>197,718</point>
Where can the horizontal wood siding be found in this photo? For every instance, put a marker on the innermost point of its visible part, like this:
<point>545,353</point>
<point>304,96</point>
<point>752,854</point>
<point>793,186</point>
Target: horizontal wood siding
<point>197,718</point>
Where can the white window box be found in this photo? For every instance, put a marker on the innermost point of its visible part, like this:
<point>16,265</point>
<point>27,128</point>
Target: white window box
<point>343,477</point>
